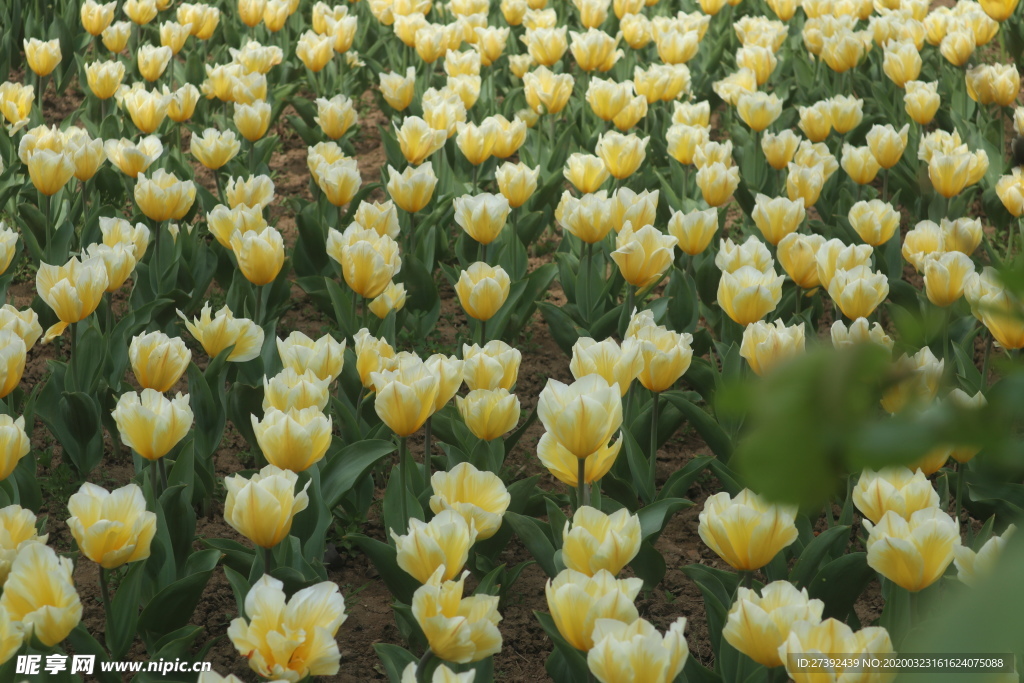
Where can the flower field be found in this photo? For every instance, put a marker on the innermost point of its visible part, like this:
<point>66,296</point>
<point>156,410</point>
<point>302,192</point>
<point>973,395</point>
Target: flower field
<point>605,340</point>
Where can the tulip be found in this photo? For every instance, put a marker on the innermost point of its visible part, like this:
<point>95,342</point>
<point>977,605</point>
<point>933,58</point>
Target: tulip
<point>141,12</point>
<point>73,291</point>
<point>545,45</point>
<point>694,230</point>
<point>517,182</point>
<point>412,189</point>
<point>637,652</point>
<point>257,58</point>
<point>262,507</point>
<point>368,260</point>
<point>119,231</point>
<point>215,148</point>
<point>676,47</point>
<point>17,530</point>
<point>636,29</point>
<point>644,255</point>
<point>115,37</point>
<point>477,142</point>
<point>290,640</point>
<point>252,120</point>
<point>766,345</point>
<point>457,629</point>
<point>441,545</point>
<point>667,82</point>
<point>616,364</point>
<point>251,11</point>
<point>49,171</point>
<point>874,221</point>
<point>583,416</point>
<point>315,51</point>
<point>748,294</point>
<point>974,568</point>
<point>887,144</point>
<point>752,252</point>
<point>216,333</point>
<point>482,216</point>
<point>949,173</point>
<point>163,197</point>
<point>372,355</point>
<point>482,290</point>
<point>442,674</point>
<point>293,440</point>
<point>289,390</point>
<point>999,10</point>
<point>8,246</point>
<point>945,276</point>
<point>495,365</point>
<point>42,56</point>
<point>912,553</point>
<point>666,354</point>
<point>397,89</point>
<point>902,62</point>
<point>777,218</point>
<point>14,443</point>
<point>607,97</point>
<point>846,113</point>
<point>86,153</point>
<point>104,78</point>
<point>152,424</point>
<point>897,489</point>
<point>339,181</point>
<point>111,529</point>
<point>547,92</point>
<point>921,101</point>
<point>40,594</point>
<point>260,254</point>
<point>833,255</point>
<point>183,103</point>
<point>379,216</point>
<point>758,625</point>
<point>586,172</point>
<point>449,373</point>
<point>779,148</point>
<point>746,531</point>
<point>405,396</point>
<point>1010,190</point>
<point>816,121</point>
<point>96,17</point>
<point>118,262</point>
<point>479,496</point>
<point>858,291</point>
<point>796,254</point>
<point>391,299</point>
<point>832,635</point>
<point>577,602</point>
<point>596,541</point>
<point>860,164</point>
<point>717,183</point>
<point>920,375</point>
<point>621,154</point>
<point>146,109</point>
<point>224,222</point>
<point>489,413</point>
<point>758,110</point>
<point>963,235</point>
<point>564,466</point>
<point>152,61</point>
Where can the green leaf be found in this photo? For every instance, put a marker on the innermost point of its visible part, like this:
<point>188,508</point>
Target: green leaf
<point>705,424</point>
<point>172,607</point>
<point>655,516</point>
<point>395,660</point>
<point>385,559</point>
<point>531,533</point>
<point>123,615</point>
<point>840,582</point>
<point>346,467</point>
<point>811,556</point>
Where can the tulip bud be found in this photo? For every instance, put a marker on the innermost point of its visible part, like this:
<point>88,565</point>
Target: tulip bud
<point>315,51</point>
<point>368,260</point>
<point>517,182</point>
<point>596,541</point>
<point>151,424</point>
<point>482,290</point>
<point>457,629</point>
<point>898,489</point>
<point>73,291</point>
<point>767,528</point>
<point>262,507</point>
<point>252,120</point>
<point>40,594</point>
<point>489,413</point>
<point>216,333</point>
<point>945,275</point>
<point>621,154</point>
<point>644,255</point>
<point>832,635</point>
<point>748,294</point>
<point>874,221</point>
<point>115,37</point>
<point>779,148</point>
<point>758,110</point>
<point>111,528</point>
<point>902,62</point>
<point>887,144</point>
<point>260,255</point>
<point>96,17</point>
<point>816,121</point>
<point>974,568</point>
<point>583,416</point>
<point>912,553</point>
<point>308,623</point>
<point>406,395</point>
<point>479,496</point>
<point>293,440</point>
<point>398,90</point>
<point>766,345</point>
<point>104,78</point>
<point>776,218</point>
<point>717,183</point>
<point>758,624</point>
<point>413,188</point>
<point>163,197</point>
<point>578,602</point>
<point>183,103</point>
<point>796,255</point>
<point>493,366</point>
<point>42,56</point>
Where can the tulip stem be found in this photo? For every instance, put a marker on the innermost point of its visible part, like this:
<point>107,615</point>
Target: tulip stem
<point>885,186</point>
<point>268,560</point>
<point>959,490</point>
<point>427,447</point>
<point>582,492</point>
<point>163,474</point>
<point>483,332</point>
<point>252,158</point>
<point>105,592</point>
<point>421,666</point>
<point>403,466</point>
<point>984,362</point>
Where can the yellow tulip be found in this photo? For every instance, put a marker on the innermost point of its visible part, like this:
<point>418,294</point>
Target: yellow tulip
<point>779,148</point>
<point>17,530</point>
<point>441,545</point>
<point>183,103</point>
<point>949,173</point>
<point>96,17</point>
<point>643,255</point>
<point>637,652</point>
<point>216,333</point>
<point>758,624</point>
<point>675,46</point>
<point>290,640</point>
<point>776,218</point>
<point>999,10</point>
<point>73,291</point>
<point>636,30</point>
<point>547,92</point>
<point>263,507</point>
<point>413,188</point>
<point>858,291</point>
<point>152,61</point>
<point>748,294</point>
<point>368,260</point>
<point>482,216</point>
<point>289,390</point>
<point>323,357</point>
<point>405,396</point>
<point>517,182</point>
<point>805,182</point>
<point>974,568</point>
<point>622,154</point>
<point>489,413</point>
<point>832,635</point>
<point>118,262</point>
<point>545,45</point>
<point>40,593</point>
<point>442,674</point>
<point>115,37</point>
<point>104,78</point>
<point>339,180</point>
<point>766,345</point>
<point>717,183</point>
<point>42,56</point>
<point>260,254</point>
<point>912,553</point>
<point>251,12</point>
<point>49,171</point>
<point>846,112</point>
<point>397,89</point>
<point>8,246</point>
<point>833,255</point>
<point>140,12</point>
<point>495,365</point>
<point>479,496</point>
<point>958,45</point>
<point>583,416</point>
<point>564,466</point>
<point>449,373</point>
<point>215,148</point>
<point>746,531</point>
<point>477,142</point>
<point>372,355</point>
<point>796,255</point>
<point>860,164</point>
<point>1010,190</point>
<point>758,110</point>
<point>874,221</point>
<point>714,152</point>
<point>111,528</point>
<point>314,51</point>
<point>694,230</point>
<point>14,443</point>
<point>638,209</point>
<point>902,62</point>
<point>510,137</point>
<point>926,238</point>
<point>294,440</point>
<point>379,216</point>
<point>577,603</point>
<point>254,57</point>
<point>586,172</point>
<point>816,121</point>
<point>919,377</point>
<point>16,104</point>
<point>596,541</point>
<point>897,489</point>
<point>118,231</point>
<point>204,19</point>
<point>391,299</point>
<point>887,144</point>
<point>945,276</point>
<point>163,197</point>
<point>444,109</point>
<point>490,43</point>
<point>616,364</point>
<point>157,360</point>
<point>666,354</point>
<point>252,120</point>
<point>607,98</point>
<point>86,153</point>
<point>335,116</point>
<point>146,109</point>
<point>151,424</point>
<point>482,290</point>
<point>731,257</point>
<point>224,222</point>
<point>457,629</point>
<point>666,82</point>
